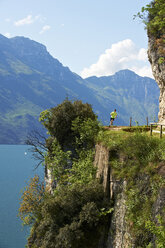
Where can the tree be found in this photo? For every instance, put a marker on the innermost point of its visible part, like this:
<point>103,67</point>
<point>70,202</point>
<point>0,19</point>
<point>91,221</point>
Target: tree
<point>153,16</point>
<point>37,142</point>
<point>73,127</point>
<point>75,218</point>
<point>58,121</point>
<point>31,200</point>
<point>77,210</point>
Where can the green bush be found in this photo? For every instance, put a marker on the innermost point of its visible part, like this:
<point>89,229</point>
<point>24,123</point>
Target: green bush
<point>153,17</point>
<point>31,200</point>
<point>71,218</point>
<point>139,153</point>
<point>85,132</point>
<point>58,120</point>
<point>161,60</point>
<point>136,129</point>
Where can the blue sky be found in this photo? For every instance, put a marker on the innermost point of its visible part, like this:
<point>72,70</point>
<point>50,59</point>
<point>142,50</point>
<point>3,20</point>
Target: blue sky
<point>91,37</point>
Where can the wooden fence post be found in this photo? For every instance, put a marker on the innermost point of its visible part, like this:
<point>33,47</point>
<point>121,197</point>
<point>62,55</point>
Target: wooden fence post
<point>151,129</point>
<point>161,131</point>
<point>147,121</point>
<point>130,123</point>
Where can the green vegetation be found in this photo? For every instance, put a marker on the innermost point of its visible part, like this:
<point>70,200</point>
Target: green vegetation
<point>153,15</point>
<point>77,214</point>
<point>138,159</point>
<point>161,60</point>
<point>31,198</point>
<point>136,129</point>
<point>71,218</point>
<point>64,121</point>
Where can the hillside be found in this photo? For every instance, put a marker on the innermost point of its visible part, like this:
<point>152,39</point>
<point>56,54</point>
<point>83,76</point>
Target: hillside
<point>31,80</point>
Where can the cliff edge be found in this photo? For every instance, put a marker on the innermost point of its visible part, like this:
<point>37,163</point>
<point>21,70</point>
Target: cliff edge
<point>155,25</point>
<point>156,54</point>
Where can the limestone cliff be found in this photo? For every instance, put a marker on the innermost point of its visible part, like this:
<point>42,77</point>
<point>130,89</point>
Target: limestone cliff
<point>120,235</point>
<point>156,54</point>
<point>130,193</point>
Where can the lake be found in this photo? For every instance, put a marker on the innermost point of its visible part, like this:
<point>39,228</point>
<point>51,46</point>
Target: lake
<point>16,167</point>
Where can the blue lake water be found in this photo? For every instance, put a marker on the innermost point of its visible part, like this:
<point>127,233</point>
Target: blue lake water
<point>16,167</point>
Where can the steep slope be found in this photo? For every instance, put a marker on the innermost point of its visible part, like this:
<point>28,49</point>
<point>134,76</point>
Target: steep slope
<point>155,25</point>
<point>31,80</point>
<point>125,210</point>
<point>134,222</point>
<point>156,54</point>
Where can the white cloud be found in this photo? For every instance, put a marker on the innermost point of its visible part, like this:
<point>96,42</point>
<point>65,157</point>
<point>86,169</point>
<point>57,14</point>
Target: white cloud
<point>144,71</point>
<point>8,35</point>
<point>142,55</point>
<point>121,55</point>
<point>26,21</point>
<point>44,29</point>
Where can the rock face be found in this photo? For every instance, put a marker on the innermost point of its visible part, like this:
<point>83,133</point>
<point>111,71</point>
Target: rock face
<point>117,233</point>
<point>118,236</point>
<point>49,182</point>
<point>156,54</point>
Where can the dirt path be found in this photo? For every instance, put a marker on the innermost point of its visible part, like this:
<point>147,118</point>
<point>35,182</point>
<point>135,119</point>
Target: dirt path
<point>115,128</point>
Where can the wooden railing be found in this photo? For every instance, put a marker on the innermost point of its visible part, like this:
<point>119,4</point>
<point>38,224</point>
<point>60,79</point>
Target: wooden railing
<point>156,124</point>
<point>151,127</point>
<point>130,121</point>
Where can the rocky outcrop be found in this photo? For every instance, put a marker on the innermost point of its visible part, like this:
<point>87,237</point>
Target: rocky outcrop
<point>118,235</point>
<point>156,54</point>
<point>159,205</point>
<point>50,183</point>
<point>119,232</point>
<point>103,168</point>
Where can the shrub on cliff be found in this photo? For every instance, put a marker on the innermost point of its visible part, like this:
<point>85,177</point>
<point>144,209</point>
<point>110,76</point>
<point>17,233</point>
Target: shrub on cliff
<point>58,120</point>
<point>73,215</point>
<point>31,199</point>
<point>153,15</point>
<point>73,218</point>
<point>140,159</point>
<point>73,127</point>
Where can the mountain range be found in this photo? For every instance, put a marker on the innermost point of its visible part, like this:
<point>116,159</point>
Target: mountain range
<point>31,80</point>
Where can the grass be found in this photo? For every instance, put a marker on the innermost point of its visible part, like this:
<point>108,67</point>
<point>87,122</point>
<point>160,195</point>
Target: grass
<point>114,139</point>
<point>111,138</point>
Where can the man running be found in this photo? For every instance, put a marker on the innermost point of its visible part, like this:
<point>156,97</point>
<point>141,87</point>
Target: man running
<point>113,116</point>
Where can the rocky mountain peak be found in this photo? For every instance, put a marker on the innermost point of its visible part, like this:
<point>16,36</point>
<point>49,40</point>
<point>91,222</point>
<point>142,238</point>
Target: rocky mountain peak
<point>30,53</point>
<point>27,47</point>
